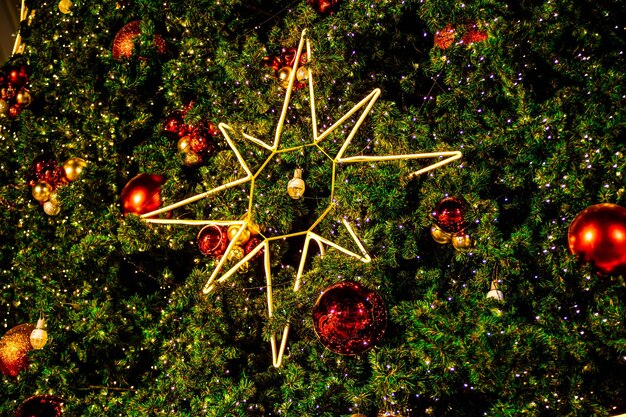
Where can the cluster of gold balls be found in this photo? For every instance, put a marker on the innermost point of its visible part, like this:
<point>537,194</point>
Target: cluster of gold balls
<point>48,195</point>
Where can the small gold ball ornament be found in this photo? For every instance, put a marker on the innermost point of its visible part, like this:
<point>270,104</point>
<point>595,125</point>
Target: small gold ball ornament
<point>283,76</point>
<point>55,198</point>
<point>494,292</point>
<point>51,209</point>
<point>39,336</point>
<point>295,187</point>
<point>4,107</point>
<point>65,6</point>
<point>192,158</point>
<point>302,74</point>
<point>439,235</point>
<point>237,253</point>
<point>41,191</point>
<point>462,242</point>
<point>184,145</point>
<point>243,238</point>
<point>73,167</point>
<point>23,97</point>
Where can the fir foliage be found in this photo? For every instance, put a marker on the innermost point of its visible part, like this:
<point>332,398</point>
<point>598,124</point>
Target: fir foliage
<point>537,108</point>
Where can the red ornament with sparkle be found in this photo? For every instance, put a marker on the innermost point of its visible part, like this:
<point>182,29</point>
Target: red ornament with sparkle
<point>45,169</point>
<point>40,406</point>
<point>444,38</point>
<point>349,318</point>
<point>450,215</point>
<point>14,346</point>
<point>212,240</point>
<point>474,34</point>
<point>249,246</point>
<point>124,42</point>
<point>598,235</point>
<point>142,194</point>
<point>324,7</point>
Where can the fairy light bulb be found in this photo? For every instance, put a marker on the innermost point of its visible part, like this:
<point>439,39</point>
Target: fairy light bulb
<point>39,336</point>
<point>296,187</point>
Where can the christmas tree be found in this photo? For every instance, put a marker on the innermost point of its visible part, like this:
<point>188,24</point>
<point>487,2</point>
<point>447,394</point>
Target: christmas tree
<point>261,209</point>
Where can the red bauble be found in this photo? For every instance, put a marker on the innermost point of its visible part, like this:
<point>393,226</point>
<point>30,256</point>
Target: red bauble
<point>45,169</point>
<point>40,406</point>
<point>450,215</point>
<point>474,34</point>
<point>445,37</point>
<point>212,240</point>
<point>175,124</point>
<point>249,246</point>
<point>142,194</point>
<point>598,235</point>
<point>348,318</point>
<point>124,42</point>
<point>14,346</point>
<point>324,6</point>
<point>202,145</point>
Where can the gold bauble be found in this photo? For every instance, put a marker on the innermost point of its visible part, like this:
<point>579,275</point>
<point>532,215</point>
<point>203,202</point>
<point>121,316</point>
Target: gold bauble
<point>41,191</point>
<point>462,242</point>
<point>243,238</point>
<point>237,253</point>
<point>64,6</point>
<point>439,235</point>
<point>51,209</point>
<point>73,167</point>
<point>23,98</point>
<point>55,198</point>
<point>302,74</point>
<point>184,144</point>
<point>39,336</point>
<point>296,187</point>
<point>283,75</point>
<point>4,107</point>
<point>192,158</point>
<point>14,347</point>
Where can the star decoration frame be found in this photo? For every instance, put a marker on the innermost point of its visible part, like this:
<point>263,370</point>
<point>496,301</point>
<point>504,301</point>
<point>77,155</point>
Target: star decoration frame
<point>365,105</point>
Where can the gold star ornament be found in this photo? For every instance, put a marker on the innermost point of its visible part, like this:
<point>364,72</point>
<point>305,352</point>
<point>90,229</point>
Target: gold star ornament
<point>245,225</point>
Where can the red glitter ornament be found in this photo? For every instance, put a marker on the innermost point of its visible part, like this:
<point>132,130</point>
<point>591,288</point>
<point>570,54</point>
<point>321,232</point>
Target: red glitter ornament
<point>45,169</point>
<point>142,194</point>
<point>324,7</point>
<point>444,38</point>
<point>40,406</point>
<point>14,346</point>
<point>349,318</point>
<point>202,145</point>
<point>124,42</point>
<point>598,235</point>
<point>249,246</point>
<point>474,34</point>
<point>449,215</point>
<point>212,240</point>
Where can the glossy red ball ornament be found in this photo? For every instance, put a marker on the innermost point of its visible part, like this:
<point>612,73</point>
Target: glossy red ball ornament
<point>124,41</point>
<point>40,406</point>
<point>14,347</point>
<point>349,318</point>
<point>142,194</point>
<point>450,215</point>
<point>598,235</point>
<point>212,240</point>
